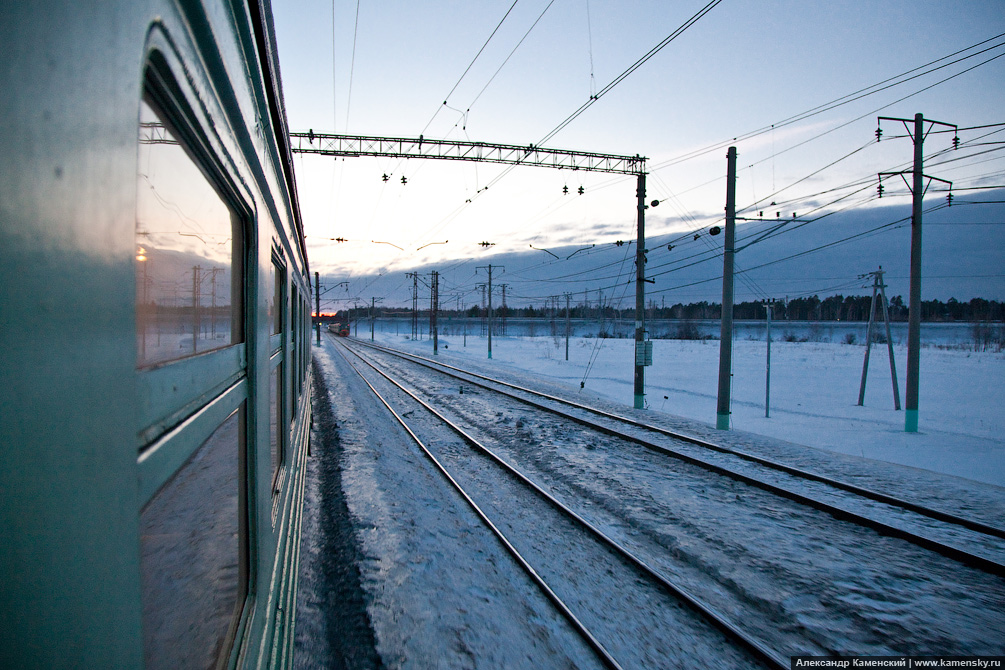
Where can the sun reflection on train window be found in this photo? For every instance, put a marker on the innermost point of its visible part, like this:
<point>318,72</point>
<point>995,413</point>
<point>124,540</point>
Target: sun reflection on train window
<point>189,248</point>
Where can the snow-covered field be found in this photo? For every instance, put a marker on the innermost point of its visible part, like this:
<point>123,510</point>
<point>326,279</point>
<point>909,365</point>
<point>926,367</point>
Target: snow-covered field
<point>814,392</point>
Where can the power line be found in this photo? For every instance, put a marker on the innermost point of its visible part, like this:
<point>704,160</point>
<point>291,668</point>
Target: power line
<point>468,68</point>
<point>843,100</point>
<point>632,68</point>
<point>617,80</point>
<point>499,69</point>
<point>352,67</point>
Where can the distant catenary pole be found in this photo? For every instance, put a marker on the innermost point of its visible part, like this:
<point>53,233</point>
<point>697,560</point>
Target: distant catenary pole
<point>726,326</point>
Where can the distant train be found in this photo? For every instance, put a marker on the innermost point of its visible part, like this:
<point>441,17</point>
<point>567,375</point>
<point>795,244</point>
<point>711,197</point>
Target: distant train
<point>155,408</point>
<point>339,329</point>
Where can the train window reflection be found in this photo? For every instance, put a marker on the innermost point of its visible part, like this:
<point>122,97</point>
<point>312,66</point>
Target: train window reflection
<point>189,248</point>
<point>194,555</point>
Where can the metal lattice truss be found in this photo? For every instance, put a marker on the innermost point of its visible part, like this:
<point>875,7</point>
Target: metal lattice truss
<point>400,147</point>
<point>152,132</point>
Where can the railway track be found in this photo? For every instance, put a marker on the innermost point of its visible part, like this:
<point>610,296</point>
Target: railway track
<point>795,575</point>
<point>973,543</point>
<point>592,579</point>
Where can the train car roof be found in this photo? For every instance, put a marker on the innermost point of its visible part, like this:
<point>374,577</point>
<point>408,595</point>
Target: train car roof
<point>265,39</point>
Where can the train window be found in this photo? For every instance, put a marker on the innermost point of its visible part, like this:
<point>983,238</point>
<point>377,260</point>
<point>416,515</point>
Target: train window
<point>194,555</point>
<point>189,250</point>
<point>276,432</point>
<point>304,334</point>
<point>294,350</point>
<point>277,302</point>
<point>294,310</point>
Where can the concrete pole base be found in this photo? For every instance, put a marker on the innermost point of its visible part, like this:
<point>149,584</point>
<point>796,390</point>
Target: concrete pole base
<point>722,421</point>
<point>640,402</point>
<point>911,421</point>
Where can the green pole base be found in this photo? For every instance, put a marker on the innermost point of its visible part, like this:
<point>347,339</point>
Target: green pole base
<point>640,401</point>
<point>722,421</point>
<point>490,354</point>
<point>911,421</point>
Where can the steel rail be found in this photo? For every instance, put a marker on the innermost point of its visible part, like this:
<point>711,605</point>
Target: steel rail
<point>605,656</point>
<point>965,557</point>
<point>938,515</point>
<point>717,619</point>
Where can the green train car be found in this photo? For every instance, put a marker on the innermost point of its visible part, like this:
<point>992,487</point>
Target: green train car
<point>154,327</point>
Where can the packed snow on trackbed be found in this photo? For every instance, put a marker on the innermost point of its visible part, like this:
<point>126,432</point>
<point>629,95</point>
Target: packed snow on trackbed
<point>814,390</point>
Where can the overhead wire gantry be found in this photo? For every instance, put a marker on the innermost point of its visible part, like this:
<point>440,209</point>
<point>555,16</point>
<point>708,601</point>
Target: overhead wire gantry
<point>401,147</point>
<point>327,144</point>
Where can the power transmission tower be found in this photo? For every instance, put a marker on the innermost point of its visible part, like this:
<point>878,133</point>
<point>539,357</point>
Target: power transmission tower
<point>880,287</point>
<point>914,310</point>
<point>726,325</point>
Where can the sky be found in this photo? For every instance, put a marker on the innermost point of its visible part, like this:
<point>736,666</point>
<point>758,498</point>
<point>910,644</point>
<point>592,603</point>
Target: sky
<point>460,70</point>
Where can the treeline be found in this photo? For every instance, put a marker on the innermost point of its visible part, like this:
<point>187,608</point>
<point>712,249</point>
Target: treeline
<point>843,308</point>
<point>812,308</point>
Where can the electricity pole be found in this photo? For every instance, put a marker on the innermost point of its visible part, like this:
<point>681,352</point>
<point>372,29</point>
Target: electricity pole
<point>212,304</point>
<point>434,307</point>
<point>914,308</point>
<point>317,305</point>
<point>641,348</point>
<point>489,267</point>
<point>767,371</point>
<point>568,298</point>
<point>415,304</point>
<point>726,325</point>
<point>196,300</point>
<point>502,319</point>
<point>373,313</point>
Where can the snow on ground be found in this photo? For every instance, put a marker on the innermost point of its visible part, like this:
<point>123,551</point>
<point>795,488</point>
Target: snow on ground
<point>814,392</point>
<point>441,592</point>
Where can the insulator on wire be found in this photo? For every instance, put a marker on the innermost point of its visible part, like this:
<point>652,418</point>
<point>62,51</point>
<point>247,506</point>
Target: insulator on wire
<point>949,199</point>
<point>404,180</point>
<point>385,177</point>
<point>565,190</point>
<point>581,190</point>
<point>879,133</point>
<point>880,189</point>
<point>956,141</point>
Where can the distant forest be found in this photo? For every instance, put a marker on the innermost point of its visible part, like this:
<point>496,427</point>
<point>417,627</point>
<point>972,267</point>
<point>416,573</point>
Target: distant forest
<point>843,308</point>
<point>834,308</point>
